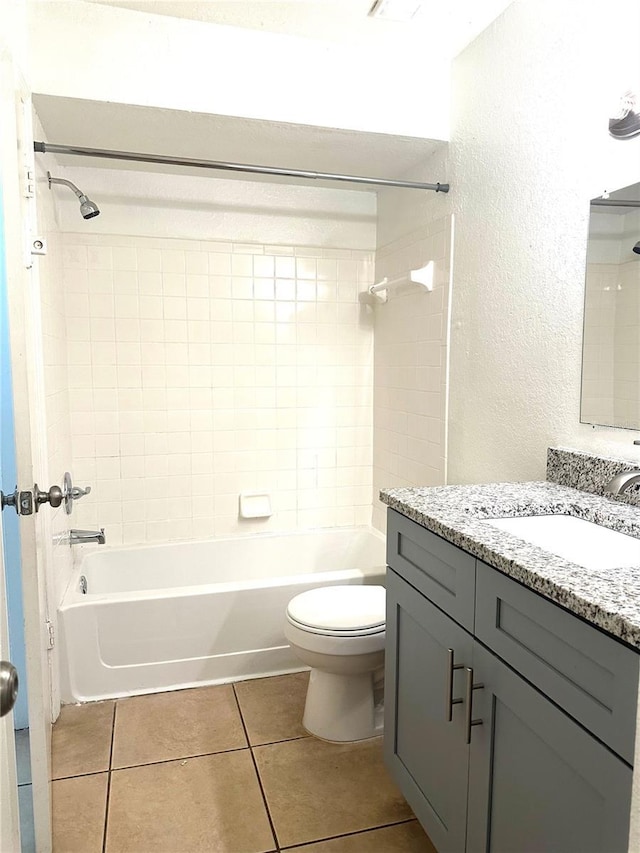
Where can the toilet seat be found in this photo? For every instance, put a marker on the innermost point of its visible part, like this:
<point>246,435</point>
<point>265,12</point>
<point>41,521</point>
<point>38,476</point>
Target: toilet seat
<point>339,611</point>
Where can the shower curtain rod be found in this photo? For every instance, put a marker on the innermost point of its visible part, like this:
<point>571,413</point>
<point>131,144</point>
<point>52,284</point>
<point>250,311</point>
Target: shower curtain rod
<point>50,148</point>
<point>614,202</point>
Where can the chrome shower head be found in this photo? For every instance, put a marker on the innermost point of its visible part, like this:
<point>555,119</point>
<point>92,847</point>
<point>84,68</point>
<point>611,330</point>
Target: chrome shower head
<point>636,248</point>
<point>88,208</point>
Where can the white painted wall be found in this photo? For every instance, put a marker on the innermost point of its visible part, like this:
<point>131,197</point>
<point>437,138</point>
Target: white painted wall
<point>529,148</point>
<point>98,52</point>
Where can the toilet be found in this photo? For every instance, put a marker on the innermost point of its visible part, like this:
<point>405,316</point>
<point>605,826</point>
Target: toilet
<point>339,631</point>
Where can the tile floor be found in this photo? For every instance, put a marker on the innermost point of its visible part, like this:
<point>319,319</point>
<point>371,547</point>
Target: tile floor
<point>226,769</point>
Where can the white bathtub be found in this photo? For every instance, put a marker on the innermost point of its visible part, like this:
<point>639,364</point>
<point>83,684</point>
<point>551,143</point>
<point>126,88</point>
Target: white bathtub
<point>167,616</point>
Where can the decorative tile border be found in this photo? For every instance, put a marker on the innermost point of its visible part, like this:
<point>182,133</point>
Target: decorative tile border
<point>590,473</point>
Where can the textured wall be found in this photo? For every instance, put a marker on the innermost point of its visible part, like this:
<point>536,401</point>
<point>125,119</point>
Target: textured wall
<point>529,148</point>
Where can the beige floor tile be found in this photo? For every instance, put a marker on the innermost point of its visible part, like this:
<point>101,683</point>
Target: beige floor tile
<point>79,807</point>
<point>164,726</point>
<point>212,803</point>
<point>81,739</point>
<point>316,790</point>
<point>272,708</point>
<point>402,838</point>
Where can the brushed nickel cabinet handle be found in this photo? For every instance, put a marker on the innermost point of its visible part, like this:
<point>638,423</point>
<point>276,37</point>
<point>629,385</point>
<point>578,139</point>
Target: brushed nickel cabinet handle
<point>470,687</point>
<point>449,700</point>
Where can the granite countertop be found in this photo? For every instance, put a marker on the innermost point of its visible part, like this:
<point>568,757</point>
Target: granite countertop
<point>608,598</point>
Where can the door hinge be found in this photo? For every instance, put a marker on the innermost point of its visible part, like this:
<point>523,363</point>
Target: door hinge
<point>51,632</point>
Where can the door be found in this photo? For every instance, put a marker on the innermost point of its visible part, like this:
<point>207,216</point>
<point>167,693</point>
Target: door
<point>15,157</point>
<point>9,817</point>
<point>425,752</point>
<point>537,780</point>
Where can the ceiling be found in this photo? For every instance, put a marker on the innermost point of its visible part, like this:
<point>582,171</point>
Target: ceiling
<point>444,27</point>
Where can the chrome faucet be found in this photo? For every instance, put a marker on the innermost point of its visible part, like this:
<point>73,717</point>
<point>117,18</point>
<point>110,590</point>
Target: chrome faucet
<point>81,537</point>
<point>622,481</point>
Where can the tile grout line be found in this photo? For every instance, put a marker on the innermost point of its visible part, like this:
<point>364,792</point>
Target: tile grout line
<point>346,834</point>
<point>255,767</point>
<point>178,758</point>
<point>106,810</point>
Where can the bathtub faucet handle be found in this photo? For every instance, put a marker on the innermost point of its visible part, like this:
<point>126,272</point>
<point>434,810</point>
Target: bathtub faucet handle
<point>77,492</point>
<point>72,493</point>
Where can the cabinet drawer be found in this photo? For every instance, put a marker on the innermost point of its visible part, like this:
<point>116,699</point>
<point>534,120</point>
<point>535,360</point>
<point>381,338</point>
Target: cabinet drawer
<point>591,676</point>
<point>439,570</point>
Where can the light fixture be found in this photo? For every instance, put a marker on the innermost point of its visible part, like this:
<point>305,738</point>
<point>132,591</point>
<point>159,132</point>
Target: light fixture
<point>395,10</point>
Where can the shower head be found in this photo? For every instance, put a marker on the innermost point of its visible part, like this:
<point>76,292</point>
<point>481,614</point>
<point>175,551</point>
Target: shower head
<point>88,208</point>
<point>636,248</point>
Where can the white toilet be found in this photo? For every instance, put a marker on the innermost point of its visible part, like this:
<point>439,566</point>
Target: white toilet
<point>339,631</point>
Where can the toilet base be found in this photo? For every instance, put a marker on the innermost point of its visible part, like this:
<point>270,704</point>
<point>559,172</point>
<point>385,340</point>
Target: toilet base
<point>342,708</point>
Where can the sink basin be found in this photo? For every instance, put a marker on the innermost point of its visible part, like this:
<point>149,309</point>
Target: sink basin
<point>579,541</point>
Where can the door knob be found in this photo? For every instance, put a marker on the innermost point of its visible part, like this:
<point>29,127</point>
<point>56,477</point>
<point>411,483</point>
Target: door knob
<point>54,496</point>
<point>22,502</point>
<point>8,687</point>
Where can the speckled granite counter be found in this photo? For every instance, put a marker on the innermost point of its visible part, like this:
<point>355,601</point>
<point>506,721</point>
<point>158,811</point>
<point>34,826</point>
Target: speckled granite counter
<point>608,598</point>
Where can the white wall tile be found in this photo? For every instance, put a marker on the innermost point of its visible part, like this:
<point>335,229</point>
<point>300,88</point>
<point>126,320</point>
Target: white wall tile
<point>196,361</point>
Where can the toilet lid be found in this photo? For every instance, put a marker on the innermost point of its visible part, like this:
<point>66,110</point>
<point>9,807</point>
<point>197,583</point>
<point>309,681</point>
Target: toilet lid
<point>339,608</point>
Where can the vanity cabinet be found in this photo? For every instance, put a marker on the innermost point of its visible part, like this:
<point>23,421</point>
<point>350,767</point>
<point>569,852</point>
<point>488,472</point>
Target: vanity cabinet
<point>477,734</point>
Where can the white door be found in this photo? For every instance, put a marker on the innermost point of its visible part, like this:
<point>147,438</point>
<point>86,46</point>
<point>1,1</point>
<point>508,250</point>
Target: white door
<point>28,400</point>
<point>9,819</point>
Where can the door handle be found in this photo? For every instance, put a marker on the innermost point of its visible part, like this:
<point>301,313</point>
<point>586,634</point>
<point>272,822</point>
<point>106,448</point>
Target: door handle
<point>54,496</point>
<point>470,687</point>
<point>8,687</point>
<point>449,700</point>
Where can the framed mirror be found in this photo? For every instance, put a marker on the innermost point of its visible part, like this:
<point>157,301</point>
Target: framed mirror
<point>610,394</point>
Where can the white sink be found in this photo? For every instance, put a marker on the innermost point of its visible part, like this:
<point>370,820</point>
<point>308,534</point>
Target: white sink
<point>579,541</point>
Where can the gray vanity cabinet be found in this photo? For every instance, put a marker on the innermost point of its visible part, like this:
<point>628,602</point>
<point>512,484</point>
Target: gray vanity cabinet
<point>428,755</point>
<point>532,778</point>
<point>537,780</point>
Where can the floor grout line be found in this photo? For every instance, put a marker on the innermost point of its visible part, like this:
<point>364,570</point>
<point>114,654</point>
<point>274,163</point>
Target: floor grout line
<point>255,767</point>
<point>111,769</point>
<point>347,834</point>
<point>106,809</point>
<point>179,758</point>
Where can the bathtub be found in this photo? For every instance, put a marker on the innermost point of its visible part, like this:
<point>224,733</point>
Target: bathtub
<point>162,617</point>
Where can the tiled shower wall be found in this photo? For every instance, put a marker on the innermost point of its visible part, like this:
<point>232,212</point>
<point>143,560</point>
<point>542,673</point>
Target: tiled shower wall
<point>410,397</point>
<point>611,352</point>
<point>198,370</point>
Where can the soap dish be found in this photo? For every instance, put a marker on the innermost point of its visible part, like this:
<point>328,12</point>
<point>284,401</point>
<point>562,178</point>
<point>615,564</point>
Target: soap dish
<point>255,505</point>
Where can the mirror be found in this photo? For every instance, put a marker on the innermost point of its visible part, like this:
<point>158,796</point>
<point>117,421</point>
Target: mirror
<point>611,334</point>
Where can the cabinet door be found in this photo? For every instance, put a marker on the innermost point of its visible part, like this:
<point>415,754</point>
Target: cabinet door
<point>425,753</point>
<point>537,780</point>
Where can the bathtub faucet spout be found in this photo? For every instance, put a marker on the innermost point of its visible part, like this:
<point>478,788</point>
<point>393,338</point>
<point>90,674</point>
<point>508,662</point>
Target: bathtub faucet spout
<point>81,537</point>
